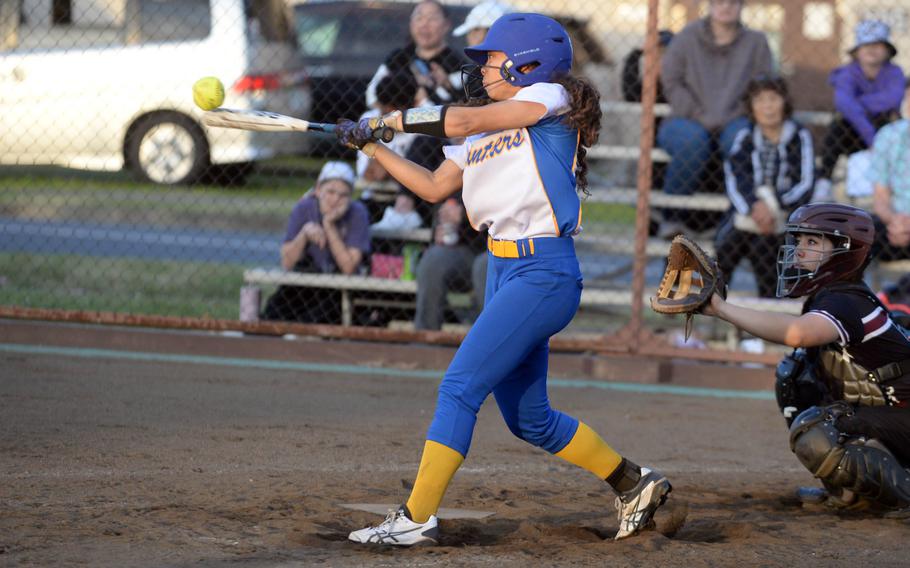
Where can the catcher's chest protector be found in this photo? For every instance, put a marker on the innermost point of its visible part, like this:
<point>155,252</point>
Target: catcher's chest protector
<point>849,380</point>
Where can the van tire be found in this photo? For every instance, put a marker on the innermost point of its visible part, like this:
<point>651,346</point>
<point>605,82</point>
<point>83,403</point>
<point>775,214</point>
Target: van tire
<point>167,148</point>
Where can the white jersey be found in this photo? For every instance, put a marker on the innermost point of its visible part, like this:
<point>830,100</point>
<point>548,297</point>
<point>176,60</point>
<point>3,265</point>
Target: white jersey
<point>520,183</point>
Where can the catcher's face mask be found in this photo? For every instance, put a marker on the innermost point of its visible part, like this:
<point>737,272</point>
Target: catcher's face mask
<point>801,261</point>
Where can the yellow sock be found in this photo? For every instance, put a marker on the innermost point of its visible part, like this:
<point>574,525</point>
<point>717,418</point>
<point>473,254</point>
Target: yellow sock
<point>589,451</point>
<point>437,467</point>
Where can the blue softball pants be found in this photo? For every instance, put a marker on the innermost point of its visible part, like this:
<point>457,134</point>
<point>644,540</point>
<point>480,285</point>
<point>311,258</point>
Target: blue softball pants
<point>528,299</point>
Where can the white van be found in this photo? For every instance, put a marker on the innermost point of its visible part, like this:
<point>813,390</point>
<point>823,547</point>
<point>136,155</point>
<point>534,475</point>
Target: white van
<point>106,84</point>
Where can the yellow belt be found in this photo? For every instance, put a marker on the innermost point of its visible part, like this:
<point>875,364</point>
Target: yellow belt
<point>510,249</point>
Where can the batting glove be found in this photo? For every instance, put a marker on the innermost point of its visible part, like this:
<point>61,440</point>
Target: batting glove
<point>354,134</point>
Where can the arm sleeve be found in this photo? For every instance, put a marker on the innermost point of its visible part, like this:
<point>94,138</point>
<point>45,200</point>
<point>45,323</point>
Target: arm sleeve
<point>802,189</point>
<point>673,80</point>
<point>550,95</point>
<point>358,235</point>
<point>880,170</point>
<point>846,102</point>
<point>891,94</point>
<point>457,154</point>
<point>764,64</point>
<point>845,311</point>
<point>739,174</point>
<point>295,222</point>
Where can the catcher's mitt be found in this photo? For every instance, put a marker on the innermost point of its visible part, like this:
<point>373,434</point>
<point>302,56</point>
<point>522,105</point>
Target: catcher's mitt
<point>691,278</point>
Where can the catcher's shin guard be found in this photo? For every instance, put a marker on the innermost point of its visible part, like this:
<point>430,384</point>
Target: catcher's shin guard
<point>863,467</point>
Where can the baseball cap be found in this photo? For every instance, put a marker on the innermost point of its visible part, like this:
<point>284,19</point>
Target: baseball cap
<point>336,170</point>
<point>482,16</point>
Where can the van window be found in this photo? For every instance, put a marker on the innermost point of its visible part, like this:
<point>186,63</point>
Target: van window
<point>63,24</point>
<point>174,20</point>
<point>76,24</point>
<point>346,34</point>
<point>317,35</point>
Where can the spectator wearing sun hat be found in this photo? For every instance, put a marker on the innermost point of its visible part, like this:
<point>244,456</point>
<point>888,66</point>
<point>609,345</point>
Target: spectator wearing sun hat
<point>867,95</point>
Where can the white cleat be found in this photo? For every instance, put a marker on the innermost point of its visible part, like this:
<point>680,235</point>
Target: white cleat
<point>398,530</point>
<point>636,507</point>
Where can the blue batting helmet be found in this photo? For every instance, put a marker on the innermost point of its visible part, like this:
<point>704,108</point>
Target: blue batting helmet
<point>527,39</point>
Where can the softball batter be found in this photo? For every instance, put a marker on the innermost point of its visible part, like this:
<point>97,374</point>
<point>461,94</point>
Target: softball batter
<point>519,168</point>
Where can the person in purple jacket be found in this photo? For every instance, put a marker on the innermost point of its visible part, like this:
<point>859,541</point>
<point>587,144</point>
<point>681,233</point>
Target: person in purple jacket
<point>867,95</point>
<point>327,233</point>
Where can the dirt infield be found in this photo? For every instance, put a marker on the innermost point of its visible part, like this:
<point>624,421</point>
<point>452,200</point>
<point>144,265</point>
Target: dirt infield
<point>113,462</point>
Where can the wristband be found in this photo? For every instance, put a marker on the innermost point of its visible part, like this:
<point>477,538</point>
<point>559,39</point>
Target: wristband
<point>426,120</point>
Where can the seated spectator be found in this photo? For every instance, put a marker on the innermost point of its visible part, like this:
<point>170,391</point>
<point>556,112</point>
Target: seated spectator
<point>395,91</point>
<point>400,216</point>
<point>632,70</point>
<point>326,233</point>
<point>435,66</point>
<point>769,173</point>
<point>704,73</point>
<point>867,95</point>
<point>455,261</point>
<point>891,197</point>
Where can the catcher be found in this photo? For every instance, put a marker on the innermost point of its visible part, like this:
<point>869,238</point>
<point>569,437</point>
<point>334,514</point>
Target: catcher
<point>845,389</point>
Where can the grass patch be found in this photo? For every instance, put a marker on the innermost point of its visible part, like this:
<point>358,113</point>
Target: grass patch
<point>166,288</point>
<point>604,214</point>
<point>279,176</point>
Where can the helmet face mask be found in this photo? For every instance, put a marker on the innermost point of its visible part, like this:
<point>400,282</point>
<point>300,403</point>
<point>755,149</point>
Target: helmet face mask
<point>472,81</point>
<point>803,270</point>
<point>795,272</point>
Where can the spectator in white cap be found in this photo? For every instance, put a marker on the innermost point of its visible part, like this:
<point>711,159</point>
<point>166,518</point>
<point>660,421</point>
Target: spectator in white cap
<point>479,20</point>
<point>867,95</point>
<point>327,232</point>
<point>336,170</point>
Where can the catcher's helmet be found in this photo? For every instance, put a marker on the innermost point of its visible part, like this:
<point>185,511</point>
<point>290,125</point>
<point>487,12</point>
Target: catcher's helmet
<point>527,39</point>
<point>850,230</point>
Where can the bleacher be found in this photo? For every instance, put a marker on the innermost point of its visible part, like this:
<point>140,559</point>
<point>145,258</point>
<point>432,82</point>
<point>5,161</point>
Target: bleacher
<point>367,290</point>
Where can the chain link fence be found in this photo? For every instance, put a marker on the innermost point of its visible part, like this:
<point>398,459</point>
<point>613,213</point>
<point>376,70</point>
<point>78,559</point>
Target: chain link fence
<point>117,200</point>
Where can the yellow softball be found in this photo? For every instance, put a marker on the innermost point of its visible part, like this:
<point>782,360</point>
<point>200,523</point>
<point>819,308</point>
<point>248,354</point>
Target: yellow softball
<point>208,93</point>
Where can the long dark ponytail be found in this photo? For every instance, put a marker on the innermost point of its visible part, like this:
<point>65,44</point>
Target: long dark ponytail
<point>584,116</point>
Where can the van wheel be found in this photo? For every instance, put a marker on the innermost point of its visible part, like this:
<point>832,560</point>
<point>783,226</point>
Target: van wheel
<point>167,148</point>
